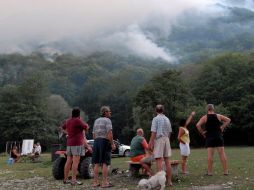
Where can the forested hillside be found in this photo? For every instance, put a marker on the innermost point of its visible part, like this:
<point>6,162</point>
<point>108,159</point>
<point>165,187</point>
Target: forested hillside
<point>183,55</point>
<point>36,95</point>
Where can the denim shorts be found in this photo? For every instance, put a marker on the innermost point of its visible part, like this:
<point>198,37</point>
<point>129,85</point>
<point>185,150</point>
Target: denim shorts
<point>101,151</point>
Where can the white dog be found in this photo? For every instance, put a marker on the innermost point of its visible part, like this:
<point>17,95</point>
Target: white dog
<point>159,179</point>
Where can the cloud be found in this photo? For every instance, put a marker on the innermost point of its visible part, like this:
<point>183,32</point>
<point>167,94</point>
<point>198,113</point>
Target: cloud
<point>80,26</point>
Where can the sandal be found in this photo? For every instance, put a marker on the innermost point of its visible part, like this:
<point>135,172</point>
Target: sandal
<point>108,186</point>
<point>96,185</point>
<point>207,174</point>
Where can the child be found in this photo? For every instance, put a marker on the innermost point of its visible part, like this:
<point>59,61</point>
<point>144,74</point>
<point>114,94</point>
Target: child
<point>14,154</point>
<point>184,140</point>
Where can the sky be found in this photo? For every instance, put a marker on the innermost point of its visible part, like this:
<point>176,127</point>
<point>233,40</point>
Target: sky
<point>85,26</point>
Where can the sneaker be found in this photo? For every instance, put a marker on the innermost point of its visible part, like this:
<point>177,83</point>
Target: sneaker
<point>66,181</point>
<point>76,183</point>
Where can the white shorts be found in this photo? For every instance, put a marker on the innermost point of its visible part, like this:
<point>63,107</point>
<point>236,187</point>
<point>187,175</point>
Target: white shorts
<point>162,148</point>
<point>185,149</point>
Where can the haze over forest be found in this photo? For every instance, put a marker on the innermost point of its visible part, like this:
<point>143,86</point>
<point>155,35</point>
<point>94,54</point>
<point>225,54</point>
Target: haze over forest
<point>175,30</point>
<point>130,55</point>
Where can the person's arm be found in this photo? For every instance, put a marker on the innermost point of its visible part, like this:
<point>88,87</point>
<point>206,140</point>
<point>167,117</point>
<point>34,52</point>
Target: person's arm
<point>225,120</point>
<point>64,128</point>
<point>151,141</point>
<point>144,144</point>
<point>180,134</point>
<point>199,125</point>
<point>110,138</point>
<point>87,145</point>
<point>190,118</point>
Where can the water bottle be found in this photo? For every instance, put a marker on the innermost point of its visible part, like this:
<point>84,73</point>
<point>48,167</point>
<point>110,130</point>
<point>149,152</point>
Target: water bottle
<point>10,161</point>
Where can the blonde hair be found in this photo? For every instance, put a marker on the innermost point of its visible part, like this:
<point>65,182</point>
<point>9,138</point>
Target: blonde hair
<point>210,107</point>
<point>104,109</point>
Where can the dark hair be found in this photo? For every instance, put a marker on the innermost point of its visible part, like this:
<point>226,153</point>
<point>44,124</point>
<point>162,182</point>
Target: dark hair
<point>76,112</point>
<point>182,122</point>
<point>159,108</point>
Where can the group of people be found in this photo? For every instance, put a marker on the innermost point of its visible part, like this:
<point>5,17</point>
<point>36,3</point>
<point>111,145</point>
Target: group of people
<point>36,151</point>
<point>211,126</point>
<point>74,127</point>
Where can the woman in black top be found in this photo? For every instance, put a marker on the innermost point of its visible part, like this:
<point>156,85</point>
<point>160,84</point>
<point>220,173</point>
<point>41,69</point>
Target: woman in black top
<point>214,127</point>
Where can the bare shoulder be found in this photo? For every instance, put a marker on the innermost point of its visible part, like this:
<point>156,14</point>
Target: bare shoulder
<point>203,118</point>
<point>222,117</point>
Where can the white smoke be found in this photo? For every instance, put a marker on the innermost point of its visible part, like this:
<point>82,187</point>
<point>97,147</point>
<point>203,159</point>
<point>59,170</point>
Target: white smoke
<point>84,26</point>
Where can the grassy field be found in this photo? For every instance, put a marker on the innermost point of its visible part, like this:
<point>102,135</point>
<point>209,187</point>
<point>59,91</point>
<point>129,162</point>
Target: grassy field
<point>241,167</point>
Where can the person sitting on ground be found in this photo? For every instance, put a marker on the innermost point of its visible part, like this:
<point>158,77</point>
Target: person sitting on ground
<point>139,147</point>
<point>36,151</point>
<point>14,154</point>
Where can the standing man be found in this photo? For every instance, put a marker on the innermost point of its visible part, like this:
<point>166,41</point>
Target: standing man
<point>159,141</point>
<point>215,124</point>
<point>103,144</point>
<point>74,128</point>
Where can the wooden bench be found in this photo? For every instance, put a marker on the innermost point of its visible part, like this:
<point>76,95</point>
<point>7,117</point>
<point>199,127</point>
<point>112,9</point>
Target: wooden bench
<point>135,166</point>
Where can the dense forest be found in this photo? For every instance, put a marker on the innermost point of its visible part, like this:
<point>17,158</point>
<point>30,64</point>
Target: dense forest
<point>36,95</point>
<point>184,61</point>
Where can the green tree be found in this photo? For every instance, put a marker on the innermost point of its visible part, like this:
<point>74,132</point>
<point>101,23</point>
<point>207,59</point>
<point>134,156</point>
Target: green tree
<point>229,80</point>
<point>167,89</point>
<point>23,112</point>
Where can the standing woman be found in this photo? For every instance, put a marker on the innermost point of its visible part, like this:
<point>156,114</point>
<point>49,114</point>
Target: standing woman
<point>184,140</point>
<point>215,124</point>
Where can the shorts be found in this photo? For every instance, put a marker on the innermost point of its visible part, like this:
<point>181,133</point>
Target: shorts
<point>137,158</point>
<point>147,159</point>
<point>214,141</point>
<point>101,151</point>
<point>75,150</point>
<point>184,149</point>
<point>162,148</point>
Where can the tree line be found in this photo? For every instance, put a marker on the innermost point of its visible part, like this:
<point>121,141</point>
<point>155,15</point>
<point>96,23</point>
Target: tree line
<point>36,95</point>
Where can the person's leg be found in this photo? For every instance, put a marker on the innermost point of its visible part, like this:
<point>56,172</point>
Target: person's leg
<point>210,152</point>
<point>104,175</point>
<point>223,159</point>
<point>96,175</point>
<point>67,167</point>
<point>147,168</point>
<point>75,163</point>
<point>159,164</point>
<point>184,161</point>
<point>168,170</point>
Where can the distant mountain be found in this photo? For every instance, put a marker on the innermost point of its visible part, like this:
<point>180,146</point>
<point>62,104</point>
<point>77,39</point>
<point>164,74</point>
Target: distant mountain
<point>196,36</point>
<point>189,35</point>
